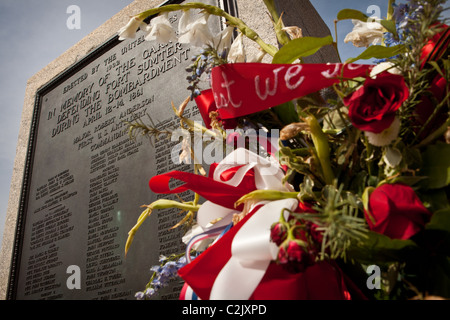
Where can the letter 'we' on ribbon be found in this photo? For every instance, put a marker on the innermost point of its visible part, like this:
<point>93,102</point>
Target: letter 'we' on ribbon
<point>240,89</point>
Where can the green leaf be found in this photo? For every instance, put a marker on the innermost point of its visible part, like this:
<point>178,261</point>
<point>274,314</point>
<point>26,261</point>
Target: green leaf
<point>434,200</point>
<point>436,166</point>
<point>378,52</point>
<point>438,277</point>
<point>437,232</point>
<point>346,14</point>
<point>440,220</point>
<point>301,47</point>
<point>351,14</point>
<point>286,113</point>
<point>378,248</point>
<point>366,197</point>
<point>389,25</point>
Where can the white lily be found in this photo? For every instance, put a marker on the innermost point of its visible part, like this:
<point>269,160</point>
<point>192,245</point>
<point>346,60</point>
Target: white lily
<point>196,33</point>
<point>185,155</point>
<point>186,21</point>
<point>237,52</point>
<point>129,31</point>
<point>161,30</point>
<point>294,32</point>
<point>365,34</point>
<point>222,41</point>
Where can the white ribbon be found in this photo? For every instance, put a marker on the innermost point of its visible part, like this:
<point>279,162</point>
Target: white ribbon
<point>268,176</point>
<point>252,251</point>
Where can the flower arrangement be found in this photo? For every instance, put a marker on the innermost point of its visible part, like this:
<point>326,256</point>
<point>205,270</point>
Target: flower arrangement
<point>346,168</point>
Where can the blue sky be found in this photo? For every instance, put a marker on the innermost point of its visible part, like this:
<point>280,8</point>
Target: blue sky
<point>34,33</point>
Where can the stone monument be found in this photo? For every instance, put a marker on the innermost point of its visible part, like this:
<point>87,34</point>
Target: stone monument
<point>79,180</point>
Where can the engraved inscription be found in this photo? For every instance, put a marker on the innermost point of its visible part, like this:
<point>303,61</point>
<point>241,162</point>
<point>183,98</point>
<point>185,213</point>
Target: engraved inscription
<point>89,179</point>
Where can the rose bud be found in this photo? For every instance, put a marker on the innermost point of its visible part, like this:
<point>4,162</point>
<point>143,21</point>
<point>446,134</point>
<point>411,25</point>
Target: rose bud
<point>282,255</point>
<point>316,235</point>
<point>278,233</point>
<point>293,256</point>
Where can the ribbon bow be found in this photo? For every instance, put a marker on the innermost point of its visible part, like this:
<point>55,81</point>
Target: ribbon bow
<point>239,264</point>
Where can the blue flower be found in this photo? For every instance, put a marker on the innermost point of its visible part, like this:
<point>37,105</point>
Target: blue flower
<point>156,269</point>
<point>157,284</point>
<point>162,275</point>
<point>400,13</point>
<point>139,295</point>
<point>149,293</point>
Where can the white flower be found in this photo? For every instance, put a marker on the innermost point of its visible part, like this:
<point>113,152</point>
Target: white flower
<point>384,66</point>
<point>196,33</point>
<point>129,31</point>
<point>294,32</point>
<point>392,157</point>
<point>385,137</point>
<point>185,155</point>
<point>237,52</point>
<point>222,41</point>
<point>161,30</point>
<point>185,23</point>
<point>365,34</point>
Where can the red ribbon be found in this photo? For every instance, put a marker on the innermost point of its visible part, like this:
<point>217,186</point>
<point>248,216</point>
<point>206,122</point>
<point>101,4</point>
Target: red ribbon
<point>436,46</point>
<point>240,89</point>
<point>205,104</point>
<point>217,192</point>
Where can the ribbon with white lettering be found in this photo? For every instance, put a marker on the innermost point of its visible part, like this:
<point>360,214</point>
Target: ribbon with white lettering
<point>240,89</point>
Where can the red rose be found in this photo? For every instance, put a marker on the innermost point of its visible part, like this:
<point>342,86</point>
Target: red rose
<point>373,106</point>
<point>396,211</point>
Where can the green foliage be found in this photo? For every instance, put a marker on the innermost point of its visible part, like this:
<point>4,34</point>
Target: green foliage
<point>337,217</point>
<point>436,166</point>
<point>379,52</point>
<point>286,112</point>
<point>380,248</point>
<point>299,48</point>
<point>351,14</point>
<point>346,14</point>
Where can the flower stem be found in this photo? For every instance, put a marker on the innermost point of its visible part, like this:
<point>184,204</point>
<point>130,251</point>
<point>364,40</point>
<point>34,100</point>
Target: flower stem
<point>390,12</point>
<point>158,204</point>
<point>271,195</point>
<point>277,22</point>
<point>320,141</point>
<point>233,21</point>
